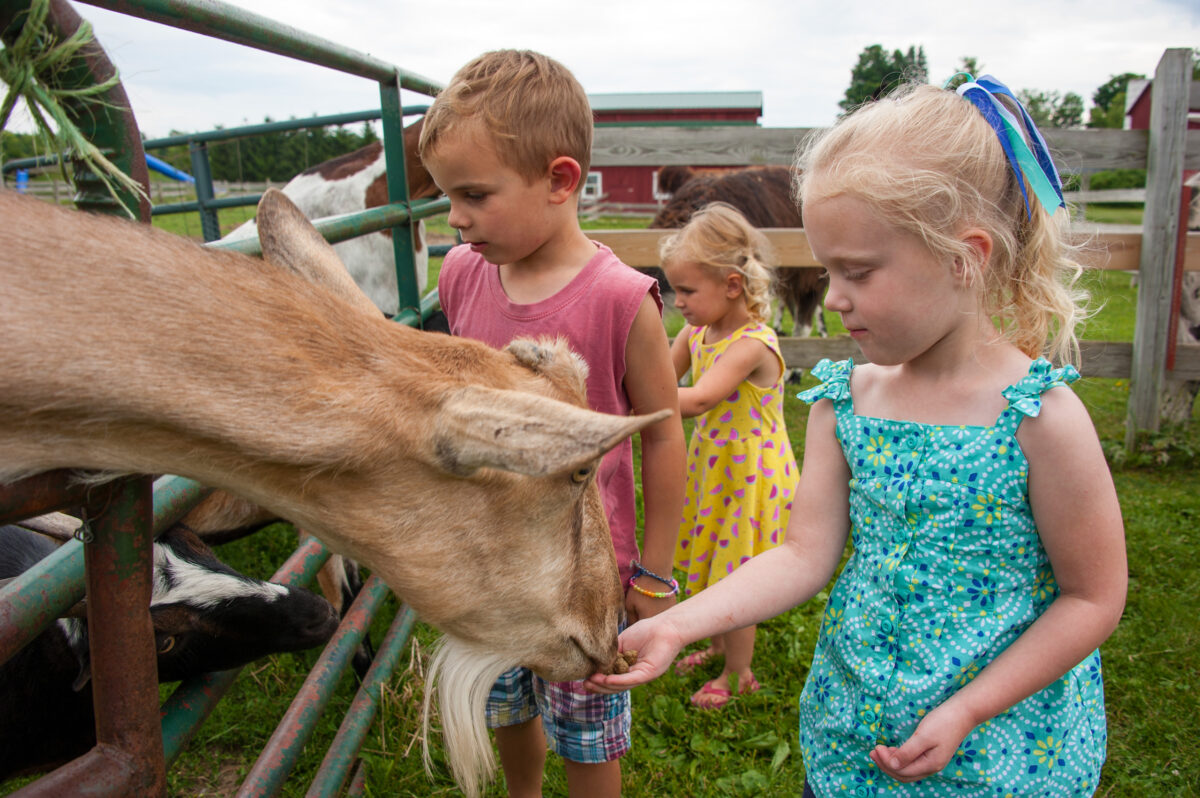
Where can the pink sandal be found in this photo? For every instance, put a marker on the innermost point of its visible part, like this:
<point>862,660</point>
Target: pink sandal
<point>694,660</point>
<point>709,696</point>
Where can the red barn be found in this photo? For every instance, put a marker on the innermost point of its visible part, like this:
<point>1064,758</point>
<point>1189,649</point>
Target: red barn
<point>636,184</point>
<point>1137,106</point>
<point>1137,110</point>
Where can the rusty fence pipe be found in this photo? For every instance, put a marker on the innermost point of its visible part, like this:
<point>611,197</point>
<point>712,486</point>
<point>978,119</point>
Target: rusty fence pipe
<point>194,700</point>
<point>174,497</point>
<point>344,749</point>
<point>282,751</point>
<point>41,494</point>
<point>128,757</point>
<point>37,597</point>
<point>124,668</point>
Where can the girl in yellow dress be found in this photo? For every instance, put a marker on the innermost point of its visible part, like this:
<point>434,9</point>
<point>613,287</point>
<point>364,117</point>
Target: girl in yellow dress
<point>741,473</point>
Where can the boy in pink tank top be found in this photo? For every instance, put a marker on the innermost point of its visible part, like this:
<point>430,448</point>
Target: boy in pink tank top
<point>509,141</point>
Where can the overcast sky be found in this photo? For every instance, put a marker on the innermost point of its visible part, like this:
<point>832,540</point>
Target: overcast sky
<point>797,53</point>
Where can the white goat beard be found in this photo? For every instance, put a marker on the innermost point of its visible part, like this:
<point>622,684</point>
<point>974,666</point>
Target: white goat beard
<point>462,676</point>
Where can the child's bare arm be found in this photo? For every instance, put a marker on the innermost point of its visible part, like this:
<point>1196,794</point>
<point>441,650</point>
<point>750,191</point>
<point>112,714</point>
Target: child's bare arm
<point>736,364</point>
<point>1079,521</point>
<point>770,583</point>
<point>681,356</point>
<point>651,385</point>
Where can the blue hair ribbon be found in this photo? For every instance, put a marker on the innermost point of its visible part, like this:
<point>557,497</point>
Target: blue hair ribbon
<point>1029,159</point>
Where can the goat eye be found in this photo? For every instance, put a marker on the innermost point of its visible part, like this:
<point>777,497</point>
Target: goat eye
<point>167,644</point>
<point>581,475</point>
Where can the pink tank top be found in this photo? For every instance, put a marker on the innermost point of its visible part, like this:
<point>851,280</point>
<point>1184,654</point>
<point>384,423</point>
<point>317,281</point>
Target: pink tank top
<point>595,312</point>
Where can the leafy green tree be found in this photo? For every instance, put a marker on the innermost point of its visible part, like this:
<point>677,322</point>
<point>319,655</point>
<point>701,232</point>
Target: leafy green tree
<point>1108,101</point>
<point>970,64</point>
<point>280,155</point>
<point>1051,109</point>
<point>877,73</point>
<point>1069,111</point>
<point>17,145</point>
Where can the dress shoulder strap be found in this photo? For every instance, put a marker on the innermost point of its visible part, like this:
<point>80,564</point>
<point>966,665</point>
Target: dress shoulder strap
<point>1025,397</point>
<point>835,384</point>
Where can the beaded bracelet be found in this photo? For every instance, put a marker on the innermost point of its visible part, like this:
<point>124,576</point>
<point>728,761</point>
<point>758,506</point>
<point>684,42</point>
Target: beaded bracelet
<point>641,571</point>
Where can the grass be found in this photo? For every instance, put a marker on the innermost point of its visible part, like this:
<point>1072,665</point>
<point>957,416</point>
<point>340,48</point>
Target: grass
<point>749,748</point>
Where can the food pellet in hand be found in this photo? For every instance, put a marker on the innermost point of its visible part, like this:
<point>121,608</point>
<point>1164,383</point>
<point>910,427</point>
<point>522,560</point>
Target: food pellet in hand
<point>624,660</point>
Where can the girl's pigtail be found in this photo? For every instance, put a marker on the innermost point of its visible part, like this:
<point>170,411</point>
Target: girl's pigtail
<point>759,280</point>
<point>1045,302</point>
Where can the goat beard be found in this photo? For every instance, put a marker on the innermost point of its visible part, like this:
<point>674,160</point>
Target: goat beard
<point>462,675</point>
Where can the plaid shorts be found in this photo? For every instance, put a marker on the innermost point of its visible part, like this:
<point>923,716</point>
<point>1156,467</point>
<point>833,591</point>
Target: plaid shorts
<point>580,726</point>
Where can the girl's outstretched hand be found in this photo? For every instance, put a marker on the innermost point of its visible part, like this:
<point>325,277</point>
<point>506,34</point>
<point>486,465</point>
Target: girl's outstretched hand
<point>930,748</point>
<point>656,642</point>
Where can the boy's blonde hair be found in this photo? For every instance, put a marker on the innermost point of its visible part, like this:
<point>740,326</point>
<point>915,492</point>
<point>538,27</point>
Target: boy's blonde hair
<point>529,105</point>
<point>928,163</point>
<point>720,240</point>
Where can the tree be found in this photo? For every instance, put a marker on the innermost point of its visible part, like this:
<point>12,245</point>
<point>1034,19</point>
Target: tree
<point>877,73</point>
<point>1108,101</point>
<point>1051,109</point>
<point>1069,112</point>
<point>18,145</point>
<point>971,65</point>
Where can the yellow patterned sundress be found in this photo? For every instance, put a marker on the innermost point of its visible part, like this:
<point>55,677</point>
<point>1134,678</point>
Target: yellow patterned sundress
<point>741,474</point>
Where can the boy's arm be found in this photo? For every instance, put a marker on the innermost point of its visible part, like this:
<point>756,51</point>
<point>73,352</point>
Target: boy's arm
<point>1079,522</point>
<point>651,385</point>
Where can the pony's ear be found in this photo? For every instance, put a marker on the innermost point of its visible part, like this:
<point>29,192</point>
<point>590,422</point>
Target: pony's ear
<point>289,240</point>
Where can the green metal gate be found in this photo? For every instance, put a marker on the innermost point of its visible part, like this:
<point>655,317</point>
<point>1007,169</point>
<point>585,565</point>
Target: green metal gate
<point>134,745</point>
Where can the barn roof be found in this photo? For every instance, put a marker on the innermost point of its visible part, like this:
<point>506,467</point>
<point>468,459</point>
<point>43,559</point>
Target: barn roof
<point>659,101</point>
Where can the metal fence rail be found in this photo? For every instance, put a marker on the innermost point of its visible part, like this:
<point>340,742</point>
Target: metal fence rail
<point>133,744</point>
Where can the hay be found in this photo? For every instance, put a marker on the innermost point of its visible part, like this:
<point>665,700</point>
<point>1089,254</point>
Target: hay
<point>32,68</point>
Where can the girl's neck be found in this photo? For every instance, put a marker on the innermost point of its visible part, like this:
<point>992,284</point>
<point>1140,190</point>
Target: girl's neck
<point>959,382</point>
<point>735,319</point>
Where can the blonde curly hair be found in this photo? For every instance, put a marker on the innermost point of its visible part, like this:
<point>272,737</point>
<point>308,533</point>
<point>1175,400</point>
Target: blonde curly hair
<point>927,162</point>
<point>719,239</point>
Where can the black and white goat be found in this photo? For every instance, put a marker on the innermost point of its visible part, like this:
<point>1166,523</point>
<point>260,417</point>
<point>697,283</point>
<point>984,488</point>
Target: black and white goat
<point>206,616</point>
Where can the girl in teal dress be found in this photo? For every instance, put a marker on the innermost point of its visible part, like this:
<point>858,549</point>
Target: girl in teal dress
<point>958,652</point>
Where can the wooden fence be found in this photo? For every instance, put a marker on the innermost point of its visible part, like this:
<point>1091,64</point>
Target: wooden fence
<point>1165,150</point>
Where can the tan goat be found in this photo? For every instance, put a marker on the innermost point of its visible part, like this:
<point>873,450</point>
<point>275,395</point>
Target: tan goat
<point>462,475</point>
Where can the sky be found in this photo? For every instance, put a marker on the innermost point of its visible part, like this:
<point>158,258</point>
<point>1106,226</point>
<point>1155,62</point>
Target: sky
<point>798,53</point>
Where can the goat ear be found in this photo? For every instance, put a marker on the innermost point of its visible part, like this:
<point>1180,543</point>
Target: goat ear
<point>515,431</point>
<point>289,240</point>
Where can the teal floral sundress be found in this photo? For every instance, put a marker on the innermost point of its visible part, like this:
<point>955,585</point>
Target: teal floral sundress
<point>947,570</point>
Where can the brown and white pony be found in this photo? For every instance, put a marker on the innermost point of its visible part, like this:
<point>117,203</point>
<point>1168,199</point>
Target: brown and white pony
<point>354,182</point>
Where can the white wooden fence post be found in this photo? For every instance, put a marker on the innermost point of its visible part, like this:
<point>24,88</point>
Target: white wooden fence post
<point>1160,228</point>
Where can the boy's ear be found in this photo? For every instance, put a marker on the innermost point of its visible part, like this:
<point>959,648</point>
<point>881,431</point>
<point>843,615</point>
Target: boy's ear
<point>564,173</point>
